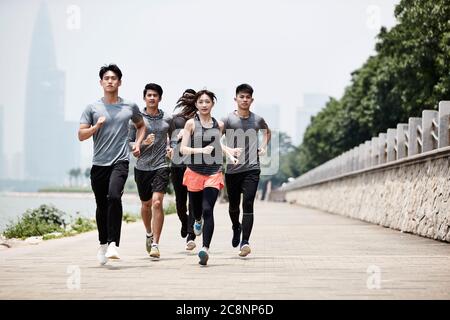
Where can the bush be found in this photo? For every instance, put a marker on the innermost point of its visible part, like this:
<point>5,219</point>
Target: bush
<point>37,222</point>
<point>129,217</point>
<point>171,208</point>
<point>48,222</point>
<point>82,224</point>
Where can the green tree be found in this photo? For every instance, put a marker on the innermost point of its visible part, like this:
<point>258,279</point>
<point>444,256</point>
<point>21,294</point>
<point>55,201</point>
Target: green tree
<point>409,73</point>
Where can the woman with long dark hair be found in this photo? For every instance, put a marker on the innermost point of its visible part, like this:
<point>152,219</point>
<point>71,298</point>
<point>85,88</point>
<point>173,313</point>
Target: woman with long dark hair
<point>203,176</point>
<point>178,166</point>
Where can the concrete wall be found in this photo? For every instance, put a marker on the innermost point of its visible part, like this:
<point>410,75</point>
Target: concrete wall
<point>411,195</point>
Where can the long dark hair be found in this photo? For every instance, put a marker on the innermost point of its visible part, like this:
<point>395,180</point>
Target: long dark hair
<point>187,102</point>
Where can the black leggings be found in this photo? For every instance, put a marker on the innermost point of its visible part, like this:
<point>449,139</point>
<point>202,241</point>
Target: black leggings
<point>203,205</point>
<point>246,183</point>
<point>181,195</point>
<point>108,183</point>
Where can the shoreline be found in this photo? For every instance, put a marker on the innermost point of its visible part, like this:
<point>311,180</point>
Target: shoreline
<point>74,195</point>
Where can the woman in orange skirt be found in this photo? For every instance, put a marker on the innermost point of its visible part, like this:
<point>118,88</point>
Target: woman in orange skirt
<point>203,176</point>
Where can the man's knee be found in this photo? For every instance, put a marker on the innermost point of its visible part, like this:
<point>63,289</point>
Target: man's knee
<point>112,197</point>
<point>146,204</point>
<point>157,204</point>
<point>233,206</point>
<point>247,206</point>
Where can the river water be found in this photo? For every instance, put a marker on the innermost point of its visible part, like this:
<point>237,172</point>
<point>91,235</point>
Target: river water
<point>14,204</point>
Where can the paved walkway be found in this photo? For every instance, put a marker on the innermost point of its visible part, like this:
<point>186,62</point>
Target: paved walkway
<point>298,253</point>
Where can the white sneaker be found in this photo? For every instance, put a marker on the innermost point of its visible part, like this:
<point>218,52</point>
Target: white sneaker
<point>154,252</point>
<point>148,243</point>
<point>198,227</point>
<point>245,250</point>
<point>112,252</point>
<point>190,245</point>
<point>101,254</point>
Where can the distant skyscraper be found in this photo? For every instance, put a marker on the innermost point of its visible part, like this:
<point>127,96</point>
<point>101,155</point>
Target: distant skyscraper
<point>50,146</point>
<point>15,167</point>
<point>312,104</point>
<point>3,161</point>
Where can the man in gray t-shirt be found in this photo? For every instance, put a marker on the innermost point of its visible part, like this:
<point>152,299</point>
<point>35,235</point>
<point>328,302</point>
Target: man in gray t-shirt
<point>241,132</point>
<point>106,120</point>
<point>151,172</point>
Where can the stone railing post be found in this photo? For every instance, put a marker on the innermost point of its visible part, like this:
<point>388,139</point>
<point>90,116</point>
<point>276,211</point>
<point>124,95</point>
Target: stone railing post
<point>402,150</point>
<point>414,136</point>
<point>443,133</point>
<point>375,155</point>
<point>429,129</point>
<point>391,134</point>
<point>382,155</point>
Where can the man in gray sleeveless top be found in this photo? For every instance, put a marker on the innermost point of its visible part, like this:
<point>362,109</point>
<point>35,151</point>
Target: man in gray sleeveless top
<point>106,120</point>
<point>241,131</point>
<point>151,172</point>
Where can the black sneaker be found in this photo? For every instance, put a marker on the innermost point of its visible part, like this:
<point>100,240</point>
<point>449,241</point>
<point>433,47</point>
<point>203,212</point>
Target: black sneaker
<point>236,236</point>
<point>184,230</point>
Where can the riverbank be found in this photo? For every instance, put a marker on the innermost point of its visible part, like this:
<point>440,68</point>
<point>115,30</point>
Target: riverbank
<point>14,204</point>
<point>44,194</point>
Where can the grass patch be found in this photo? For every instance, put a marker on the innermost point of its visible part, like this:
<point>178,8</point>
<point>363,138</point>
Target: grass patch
<point>49,222</point>
<point>170,208</point>
<point>129,217</point>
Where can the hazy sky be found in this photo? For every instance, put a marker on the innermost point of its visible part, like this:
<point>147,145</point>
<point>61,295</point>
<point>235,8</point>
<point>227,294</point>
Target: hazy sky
<point>283,48</point>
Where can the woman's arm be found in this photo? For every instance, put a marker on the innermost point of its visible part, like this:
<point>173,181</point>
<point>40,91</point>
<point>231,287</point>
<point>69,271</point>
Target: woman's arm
<point>187,132</point>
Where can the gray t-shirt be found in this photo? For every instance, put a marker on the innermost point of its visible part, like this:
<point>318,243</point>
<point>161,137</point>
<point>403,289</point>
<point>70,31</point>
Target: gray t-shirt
<point>153,157</point>
<point>243,133</point>
<point>111,140</point>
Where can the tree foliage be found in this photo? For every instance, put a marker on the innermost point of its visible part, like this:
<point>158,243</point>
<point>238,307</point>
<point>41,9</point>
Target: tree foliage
<point>409,73</point>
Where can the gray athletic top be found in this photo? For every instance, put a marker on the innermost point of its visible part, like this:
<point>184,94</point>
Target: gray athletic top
<point>111,140</point>
<point>153,157</point>
<point>243,133</point>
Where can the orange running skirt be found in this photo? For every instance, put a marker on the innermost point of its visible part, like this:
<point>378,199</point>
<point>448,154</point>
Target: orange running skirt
<point>197,182</point>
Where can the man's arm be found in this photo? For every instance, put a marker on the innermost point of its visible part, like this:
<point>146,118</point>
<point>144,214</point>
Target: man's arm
<point>86,130</point>
<point>230,153</point>
<point>266,139</point>
<point>140,126</point>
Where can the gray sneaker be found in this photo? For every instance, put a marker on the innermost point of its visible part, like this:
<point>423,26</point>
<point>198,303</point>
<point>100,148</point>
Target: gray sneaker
<point>148,243</point>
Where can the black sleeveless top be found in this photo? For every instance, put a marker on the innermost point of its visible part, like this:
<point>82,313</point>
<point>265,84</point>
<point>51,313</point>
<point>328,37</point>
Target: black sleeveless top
<point>206,164</point>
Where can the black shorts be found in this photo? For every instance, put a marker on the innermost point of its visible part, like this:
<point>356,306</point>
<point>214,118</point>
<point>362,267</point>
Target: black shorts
<point>151,181</point>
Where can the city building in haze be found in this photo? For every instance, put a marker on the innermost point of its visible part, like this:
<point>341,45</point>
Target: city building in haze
<point>312,104</point>
<point>51,147</point>
<point>3,162</point>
